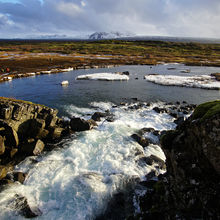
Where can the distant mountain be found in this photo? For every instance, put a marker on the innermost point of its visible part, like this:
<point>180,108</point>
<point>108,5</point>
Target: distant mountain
<point>109,35</point>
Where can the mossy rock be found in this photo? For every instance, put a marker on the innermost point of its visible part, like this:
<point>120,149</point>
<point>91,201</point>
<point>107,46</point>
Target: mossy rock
<point>206,110</point>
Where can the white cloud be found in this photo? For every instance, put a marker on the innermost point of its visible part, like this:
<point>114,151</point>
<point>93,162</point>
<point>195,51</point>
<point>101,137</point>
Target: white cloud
<point>83,3</point>
<point>197,18</point>
<point>69,8</point>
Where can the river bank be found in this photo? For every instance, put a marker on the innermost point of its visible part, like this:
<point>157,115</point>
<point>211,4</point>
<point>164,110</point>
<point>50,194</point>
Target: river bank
<point>28,58</point>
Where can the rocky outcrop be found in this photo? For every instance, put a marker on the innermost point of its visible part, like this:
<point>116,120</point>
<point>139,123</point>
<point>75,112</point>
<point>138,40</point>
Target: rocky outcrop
<point>191,187</point>
<point>25,127</point>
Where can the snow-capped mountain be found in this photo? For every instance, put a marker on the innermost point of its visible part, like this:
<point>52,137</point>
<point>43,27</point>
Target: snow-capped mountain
<point>110,35</point>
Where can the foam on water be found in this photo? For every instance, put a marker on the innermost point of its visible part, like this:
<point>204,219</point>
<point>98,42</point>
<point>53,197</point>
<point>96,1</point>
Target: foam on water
<point>77,181</point>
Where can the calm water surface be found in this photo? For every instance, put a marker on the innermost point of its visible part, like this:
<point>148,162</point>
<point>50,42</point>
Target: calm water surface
<point>46,89</point>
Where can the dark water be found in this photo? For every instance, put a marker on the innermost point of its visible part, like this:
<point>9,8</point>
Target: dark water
<point>46,89</point>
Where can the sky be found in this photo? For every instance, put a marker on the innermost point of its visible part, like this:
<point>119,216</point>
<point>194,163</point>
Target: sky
<point>177,18</point>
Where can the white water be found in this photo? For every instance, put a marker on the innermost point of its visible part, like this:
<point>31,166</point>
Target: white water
<point>77,181</point>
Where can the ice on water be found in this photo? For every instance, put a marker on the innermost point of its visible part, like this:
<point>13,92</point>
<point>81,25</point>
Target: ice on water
<point>76,181</point>
<point>202,81</point>
<point>103,76</point>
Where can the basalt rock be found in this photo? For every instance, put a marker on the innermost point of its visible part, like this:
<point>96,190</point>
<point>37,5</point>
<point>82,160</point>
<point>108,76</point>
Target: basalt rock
<point>191,187</point>
<point>98,115</point>
<point>32,147</point>
<point>25,128</point>
<point>79,124</point>
<point>2,145</point>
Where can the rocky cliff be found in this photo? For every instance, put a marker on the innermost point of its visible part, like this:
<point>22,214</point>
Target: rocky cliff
<point>27,129</point>
<point>191,187</point>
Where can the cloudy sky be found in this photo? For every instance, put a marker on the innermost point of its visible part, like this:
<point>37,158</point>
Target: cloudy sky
<point>188,18</point>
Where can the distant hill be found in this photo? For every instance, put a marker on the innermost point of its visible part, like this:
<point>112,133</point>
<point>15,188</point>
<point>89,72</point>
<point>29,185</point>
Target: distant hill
<point>109,35</point>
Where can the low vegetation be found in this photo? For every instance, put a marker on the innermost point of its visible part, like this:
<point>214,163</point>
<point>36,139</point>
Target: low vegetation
<point>35,55</point>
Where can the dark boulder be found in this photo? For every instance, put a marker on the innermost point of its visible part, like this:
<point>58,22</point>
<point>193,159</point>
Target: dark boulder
<point>11,136</point>
<point>32,147</point>
<point>98,115</point>
<point>145,130</point>
<point>179,120</point>
<point>17,176</point>
<point>110,118</point>
<point>126,73</point>
<point>134,99</point>
<point>173,114</point>
<point>6,111</point>
<point>152,159</point>
<point>142,141</point>
<point>159,110</point>
<point>78,124</point>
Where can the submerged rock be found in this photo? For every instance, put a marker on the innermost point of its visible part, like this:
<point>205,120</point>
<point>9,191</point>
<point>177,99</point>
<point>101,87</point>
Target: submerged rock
<point>98,115</point>
<point>142,141</point>
<point>16,176</point>
<point>20,204</point>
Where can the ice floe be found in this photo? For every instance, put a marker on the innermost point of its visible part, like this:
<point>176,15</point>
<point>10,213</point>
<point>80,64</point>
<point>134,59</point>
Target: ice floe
<point>202,81</point>
<point>103,76</point>
<point>65,83</point>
